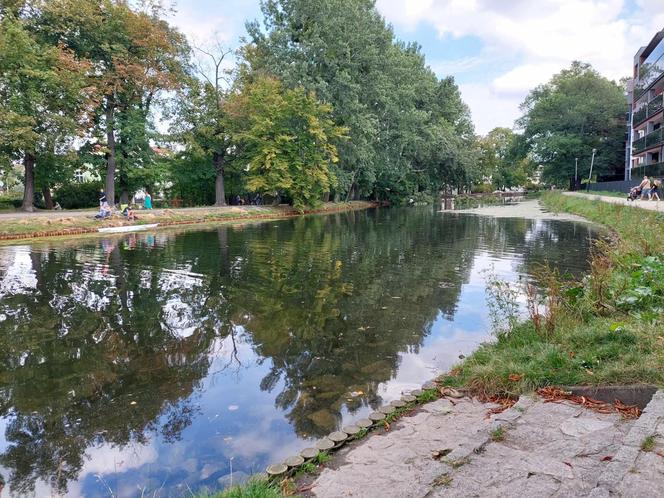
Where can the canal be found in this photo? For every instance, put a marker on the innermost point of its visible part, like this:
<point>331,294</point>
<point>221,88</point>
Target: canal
<point>170,361</point>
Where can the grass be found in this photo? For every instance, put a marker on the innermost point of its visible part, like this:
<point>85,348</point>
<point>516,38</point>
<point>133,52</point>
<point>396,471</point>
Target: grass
<point>254,488</point>
<point>443,480</point>
<point>498,435</point>
<point>606,329</point>
<point>26,224</point>
<point>648,444</point>
<point>607,193</point>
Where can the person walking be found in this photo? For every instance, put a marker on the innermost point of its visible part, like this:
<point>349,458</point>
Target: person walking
<point>148,200</point>
<point>645,188</point>
<point>654,191</point>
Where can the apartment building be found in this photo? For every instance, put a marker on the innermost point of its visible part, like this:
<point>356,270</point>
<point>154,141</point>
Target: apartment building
<point>647,111</point>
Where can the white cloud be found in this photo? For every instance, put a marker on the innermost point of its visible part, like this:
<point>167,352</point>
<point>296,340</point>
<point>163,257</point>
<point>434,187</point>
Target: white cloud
<point>543,36</point>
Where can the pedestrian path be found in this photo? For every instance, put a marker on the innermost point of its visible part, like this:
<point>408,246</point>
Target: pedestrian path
<point>650,205</point>
<point>536,448</point>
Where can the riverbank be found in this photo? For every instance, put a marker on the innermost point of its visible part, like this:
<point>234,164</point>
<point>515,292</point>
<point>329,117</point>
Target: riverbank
<point>606,330</point>
<point>18,226</point>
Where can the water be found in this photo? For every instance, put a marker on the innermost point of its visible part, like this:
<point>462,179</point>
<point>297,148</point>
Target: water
<point>166,361</point>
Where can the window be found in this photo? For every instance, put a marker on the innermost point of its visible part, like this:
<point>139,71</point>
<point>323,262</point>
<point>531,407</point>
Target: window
<point>78,176</point>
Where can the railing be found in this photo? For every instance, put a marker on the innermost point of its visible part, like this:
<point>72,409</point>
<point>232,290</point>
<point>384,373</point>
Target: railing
<point>652,139</point>
<point>648,110</point>
<point>655,169</point>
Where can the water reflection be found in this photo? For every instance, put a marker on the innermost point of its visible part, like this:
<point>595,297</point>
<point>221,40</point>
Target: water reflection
<point>156,361</point>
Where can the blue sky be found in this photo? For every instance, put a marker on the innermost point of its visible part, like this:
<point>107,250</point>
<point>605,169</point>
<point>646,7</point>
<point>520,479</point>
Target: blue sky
<point>496,49</point>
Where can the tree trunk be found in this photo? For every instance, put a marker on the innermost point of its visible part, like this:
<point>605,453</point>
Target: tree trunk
<point>110,155</point>
<point>124,196</point>
<point>48,200</point>
<point>219,194</point>
<point>29,183</point>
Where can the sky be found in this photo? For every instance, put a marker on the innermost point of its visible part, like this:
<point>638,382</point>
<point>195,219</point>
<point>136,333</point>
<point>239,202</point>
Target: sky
<point>497,50</point>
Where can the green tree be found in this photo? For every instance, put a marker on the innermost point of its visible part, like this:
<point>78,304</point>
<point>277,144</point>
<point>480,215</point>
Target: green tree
<point>201,120</point>
<point>136,55</point>
<point>42,98</point>
<point>407,130</point>
<point>286,137</point>
<point>503,158</point>
<point>577,111</point>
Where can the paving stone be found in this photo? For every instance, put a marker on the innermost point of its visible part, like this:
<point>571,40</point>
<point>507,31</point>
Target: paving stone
<point>549,449</point>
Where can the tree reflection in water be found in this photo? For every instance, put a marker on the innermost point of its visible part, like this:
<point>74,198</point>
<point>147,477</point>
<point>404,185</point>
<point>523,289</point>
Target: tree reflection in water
<point>109,341</point>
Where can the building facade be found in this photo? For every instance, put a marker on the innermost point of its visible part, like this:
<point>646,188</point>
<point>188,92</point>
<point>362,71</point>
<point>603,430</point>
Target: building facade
<point>646,134</point>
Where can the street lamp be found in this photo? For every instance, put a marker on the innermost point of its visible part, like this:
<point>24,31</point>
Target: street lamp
<point>592,160</point>
<point>576,171</point>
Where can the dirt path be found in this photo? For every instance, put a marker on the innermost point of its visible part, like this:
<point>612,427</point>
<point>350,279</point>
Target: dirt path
<point>16,226</point>
<point>650,205</point>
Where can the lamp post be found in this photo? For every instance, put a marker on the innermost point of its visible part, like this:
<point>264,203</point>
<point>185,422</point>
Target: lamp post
<point>592,160</point>
<point>576,171</point>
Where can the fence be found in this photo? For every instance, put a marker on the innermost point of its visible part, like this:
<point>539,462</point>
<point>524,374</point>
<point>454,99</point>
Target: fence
<point>618,186</point>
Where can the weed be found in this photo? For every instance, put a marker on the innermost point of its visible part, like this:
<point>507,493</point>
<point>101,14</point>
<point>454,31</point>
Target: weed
<point>648,444</point>
<point>361,433</point>
<point>498,435</point>
<point>460,462</point>
<point>254,488</point>
<point>322,458</point>
<point>428,395</point>
<point>444,480</point>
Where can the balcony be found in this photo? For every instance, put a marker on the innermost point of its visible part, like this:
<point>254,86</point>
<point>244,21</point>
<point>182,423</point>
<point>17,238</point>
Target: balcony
<point>655,169</point>
<point>652,139</point>
<point>649,110</point>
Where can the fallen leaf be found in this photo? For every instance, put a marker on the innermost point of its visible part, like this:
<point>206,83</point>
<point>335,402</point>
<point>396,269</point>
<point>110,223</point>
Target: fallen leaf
<point>571,354</point>
<point>515,377</point>
<point>607,458</point>
<point>568,464</point>
<point>660,453</point>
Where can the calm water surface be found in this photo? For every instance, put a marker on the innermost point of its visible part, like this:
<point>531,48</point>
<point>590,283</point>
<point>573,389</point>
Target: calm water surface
<point>165,361</point>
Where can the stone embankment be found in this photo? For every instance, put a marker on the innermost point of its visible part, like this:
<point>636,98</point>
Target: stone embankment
<point>456,448</point>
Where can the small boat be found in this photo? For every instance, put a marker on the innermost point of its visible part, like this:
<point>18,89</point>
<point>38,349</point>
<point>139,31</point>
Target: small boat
<point>130,228</point>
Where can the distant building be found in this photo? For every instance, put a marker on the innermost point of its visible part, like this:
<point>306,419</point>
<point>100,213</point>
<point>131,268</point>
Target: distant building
<point>646,133</point>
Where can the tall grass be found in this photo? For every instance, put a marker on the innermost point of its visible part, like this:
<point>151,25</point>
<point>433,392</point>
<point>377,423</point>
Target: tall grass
<point>606,329</point>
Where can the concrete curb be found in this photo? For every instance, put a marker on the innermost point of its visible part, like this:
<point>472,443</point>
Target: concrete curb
<point>623,462</point>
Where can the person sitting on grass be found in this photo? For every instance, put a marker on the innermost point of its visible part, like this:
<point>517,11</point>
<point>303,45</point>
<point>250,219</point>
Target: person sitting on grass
<point>128,212</point>
<point>104,211</point>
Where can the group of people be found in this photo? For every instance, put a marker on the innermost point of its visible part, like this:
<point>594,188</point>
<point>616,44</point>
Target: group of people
<point>127,211</point>
<point>648,189</point>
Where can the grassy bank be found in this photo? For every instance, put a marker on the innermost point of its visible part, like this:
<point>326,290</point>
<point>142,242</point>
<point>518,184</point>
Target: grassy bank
<point>63,223</point>
<point>254,488</point>
<point>607,329</point>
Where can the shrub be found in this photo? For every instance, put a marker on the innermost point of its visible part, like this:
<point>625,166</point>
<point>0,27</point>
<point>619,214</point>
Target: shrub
<point>11,200</point>
<point>79,195</point>
<point>483,188</point>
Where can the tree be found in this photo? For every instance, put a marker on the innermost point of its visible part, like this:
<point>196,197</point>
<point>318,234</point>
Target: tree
<point>287,137</point>
<point>135,55</point>
<point>43,93</point>
<point>407,130</point>
<point>201,121</point>
<point>503,158</point>
<point>577,111</point>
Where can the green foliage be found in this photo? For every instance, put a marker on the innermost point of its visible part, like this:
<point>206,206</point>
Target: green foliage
<point>648,443</point>
<point>286,137</point>
<point>504,159</point>
<point>192,179</point>
<point>610,331</point>
<point>566,118</point>
<point>641,286</point>
<point>408,131</point>
<point>498,435</point>
<point>78,195</point>
<point>254,488</point>
<point>10,201</point>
